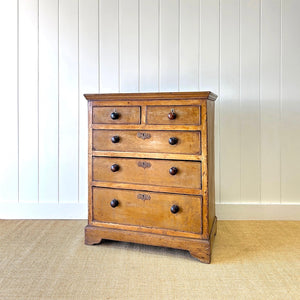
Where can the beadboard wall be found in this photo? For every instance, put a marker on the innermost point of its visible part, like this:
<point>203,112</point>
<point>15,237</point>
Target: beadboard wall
<point>54,51</point>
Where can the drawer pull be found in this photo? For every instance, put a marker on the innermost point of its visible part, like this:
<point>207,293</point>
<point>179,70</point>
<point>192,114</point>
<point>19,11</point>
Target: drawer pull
<point>173,140</point>
<point>143,135</point>
<point>174,209</point>
<point>173,171</point>
<point>115,139</point>
<point>143,197</point>
<point>114,203</point>
<point>115,168</point>
<point>114,115</point>
<point>172,115</point>
<point>144,164</point>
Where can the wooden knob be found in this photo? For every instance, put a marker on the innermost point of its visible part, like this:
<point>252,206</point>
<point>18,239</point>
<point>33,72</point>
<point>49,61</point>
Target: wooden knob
<point>114,115</point>
<point>115,139</point>
<point>174,209</point>
<point>173,171</point>
<point>173,140</point>
<point>115,168</point>
<point>172,115</point>
<point>114,203</point>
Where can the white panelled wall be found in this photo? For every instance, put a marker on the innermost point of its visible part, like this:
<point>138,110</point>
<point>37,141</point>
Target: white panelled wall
<point>54,51</point>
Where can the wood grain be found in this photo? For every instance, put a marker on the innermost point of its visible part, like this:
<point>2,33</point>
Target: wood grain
<point>185,115</point>
<point>153,212</point>
<point>155,141</point>
<point>152,182</point>
<point>102,115</point>
<point>189,173</point>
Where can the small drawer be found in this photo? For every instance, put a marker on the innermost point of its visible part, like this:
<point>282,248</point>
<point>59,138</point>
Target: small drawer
<point>148,209</point>
<point>116,115</point>
<point>183,142</point>
<point>173,115</point>
<point>169,173</point>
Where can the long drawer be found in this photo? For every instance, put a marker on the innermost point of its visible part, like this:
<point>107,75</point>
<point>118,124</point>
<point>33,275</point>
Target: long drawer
<point>148,209</point>
<point>170,173</point>
<point>183,142</point>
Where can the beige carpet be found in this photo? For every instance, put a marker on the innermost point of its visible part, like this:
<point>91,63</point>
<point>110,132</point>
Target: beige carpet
<point>48,260</point>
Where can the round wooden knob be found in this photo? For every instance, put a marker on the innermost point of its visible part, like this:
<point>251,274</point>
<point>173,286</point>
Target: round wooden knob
<point>115,139</point>
<point>173,171</point>
<point>174,209</point>
<point>114,115</point>
<point>172,115</point>
<point>173,140</point>
<point>114,203</point>
<point>115,168</point>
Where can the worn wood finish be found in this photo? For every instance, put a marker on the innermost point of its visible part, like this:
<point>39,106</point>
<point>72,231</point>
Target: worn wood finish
<point>151,177</point>
<point>148,171</point>
<point>153,96</point>
<point>146,141</point>
<point>124,115</point>
<point>147,209</point>
<point>173,115</point>
<point>198,248</point>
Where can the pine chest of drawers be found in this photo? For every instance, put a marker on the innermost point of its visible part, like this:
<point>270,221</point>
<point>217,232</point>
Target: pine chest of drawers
<point>151,170</point>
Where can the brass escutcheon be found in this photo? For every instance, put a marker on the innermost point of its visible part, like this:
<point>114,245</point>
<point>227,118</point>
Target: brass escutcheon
<point>144,164</point>
<point>143,135</point>
<point>143,197</point>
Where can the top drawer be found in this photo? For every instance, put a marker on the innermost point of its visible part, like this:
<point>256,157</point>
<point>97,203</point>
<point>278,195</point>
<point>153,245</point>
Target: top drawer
<point>173,115</point>
<point>116,115</point>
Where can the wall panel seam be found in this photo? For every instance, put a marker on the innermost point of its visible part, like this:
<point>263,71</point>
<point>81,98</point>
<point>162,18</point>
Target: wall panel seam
<point>179,31</point>
<point>259,101</point>
<point>280,102</point>
<point>240,102</point>
<point>78,99</point>
<point>58,92</point>
<point>38,100</point>
<point>119,71</point>
<point>220,104</point>
<point>18,98</point>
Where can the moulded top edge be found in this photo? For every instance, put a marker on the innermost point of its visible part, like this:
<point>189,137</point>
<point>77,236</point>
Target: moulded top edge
<point>152,96</point>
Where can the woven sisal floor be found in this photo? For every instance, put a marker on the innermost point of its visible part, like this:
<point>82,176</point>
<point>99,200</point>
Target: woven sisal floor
<point>48,260</point>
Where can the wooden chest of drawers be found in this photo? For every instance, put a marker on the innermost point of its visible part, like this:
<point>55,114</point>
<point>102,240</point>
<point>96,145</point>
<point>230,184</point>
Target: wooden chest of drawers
<point>151,170</point>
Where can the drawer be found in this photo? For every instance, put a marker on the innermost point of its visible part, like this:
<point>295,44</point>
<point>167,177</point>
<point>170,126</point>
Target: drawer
<point>147,141</point>
<point>148,209</point>
<point>176,115</point>
<point>148,172</point>
<point>116,115</point>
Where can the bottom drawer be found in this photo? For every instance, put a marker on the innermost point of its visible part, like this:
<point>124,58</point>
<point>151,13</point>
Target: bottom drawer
<point>148,209</point>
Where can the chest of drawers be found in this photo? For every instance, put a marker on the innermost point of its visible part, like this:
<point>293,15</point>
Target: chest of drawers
<point>151,170</point>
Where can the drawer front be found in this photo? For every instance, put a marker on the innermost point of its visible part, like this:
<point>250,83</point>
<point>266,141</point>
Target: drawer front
<point>148,209</point>
<point>147,141</point>
<point>148,172</point>
<point>116,114</point>
<point>176,115</point>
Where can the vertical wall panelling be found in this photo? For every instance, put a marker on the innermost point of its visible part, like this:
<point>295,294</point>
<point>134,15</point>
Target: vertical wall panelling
<point>28,101</point>
<point>209,65</point>
<point>9,101</point>
<point>270,100</point>
<point>169,45</point>
<point>54,51</point>
<point>189,45</point>
<point>149,45</point>
<point>249,93</point>
<point>129,45</point>
<point>109,45</point>
<point>68,100</point>
<point>48,101</point>
<point>230,141</point>
<point>88,81</point>
<point>290,109</point>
